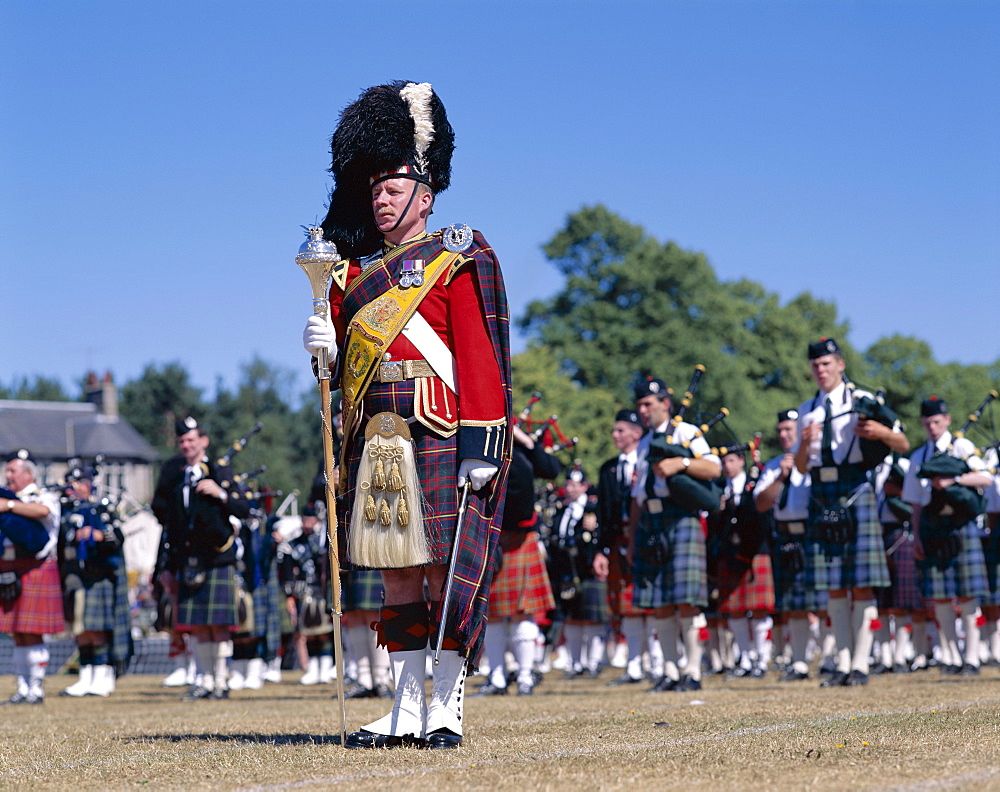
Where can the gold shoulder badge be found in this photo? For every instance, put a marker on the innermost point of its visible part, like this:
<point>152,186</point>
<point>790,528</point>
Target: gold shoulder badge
<point>339,273</point>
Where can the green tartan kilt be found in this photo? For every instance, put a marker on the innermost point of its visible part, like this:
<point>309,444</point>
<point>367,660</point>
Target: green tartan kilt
<point>99,606</point>
<point>361,590</point>
<point>683,578</point>
<point>214,603</point>
<point>962,576</point>
<point>857,564</point>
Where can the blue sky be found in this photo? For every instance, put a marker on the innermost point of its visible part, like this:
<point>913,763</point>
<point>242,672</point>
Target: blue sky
<point>158,158</point>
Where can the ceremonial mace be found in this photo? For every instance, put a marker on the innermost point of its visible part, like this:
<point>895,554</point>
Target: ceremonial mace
<point>317,258</point>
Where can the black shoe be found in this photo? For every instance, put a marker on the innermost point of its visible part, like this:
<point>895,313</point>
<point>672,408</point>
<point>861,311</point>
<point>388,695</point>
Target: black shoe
<point>571,674</point>
<point>738,673</point>
<point>836,679</point>
<point>624,679</point>
<point>757,672</point>
<point>791,675</point>
<point>367,739</point>
<point>196,692</point>
<point>685,684</point>
<point>23,698</point>
<point>969,670</point>
<point>856,679</point>
<point>383,691</point>
<point>593,673</point>
<point>219,694</point>
<point>900,668</point>
<point>525,689</point>
<point>663,684</point>
<point>443,739</point>
<point>826,671</point>
<point>879,668</point>
<point>951,670</point>
<point>356,690</point>
<point>489,689</point>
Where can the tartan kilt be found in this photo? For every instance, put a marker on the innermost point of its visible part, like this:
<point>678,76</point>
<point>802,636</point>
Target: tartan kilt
<point>361,589</point>
<point>855,564</point>
<point>905,592</point>
<point>791,590</point>
<point>621,590</point>
<point>683,579</point>
<point>39,609</point>
<point>755,593</point>
<point>99,606</point>
<point>212,604</point>
<point>590,604</point>
<point>992,556</point>
<point>964,575</point>
<point>437,470</point>
<point>521,584</point>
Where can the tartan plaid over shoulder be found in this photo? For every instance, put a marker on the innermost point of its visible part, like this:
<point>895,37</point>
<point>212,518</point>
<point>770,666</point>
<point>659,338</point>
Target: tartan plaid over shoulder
<point>478,550</point>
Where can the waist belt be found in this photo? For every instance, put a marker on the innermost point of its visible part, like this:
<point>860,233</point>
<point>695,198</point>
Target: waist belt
<point>792,527</point>
<point>399,370</point>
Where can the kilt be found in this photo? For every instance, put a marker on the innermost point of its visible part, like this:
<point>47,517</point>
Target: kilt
<point>437,469</point>
<point>683,579</point>
<point>268,605</point>
<point>39,609</point>
<point>212,604</point>
<point>621,591</point>
<point>992,557</point>
<point>590,604</point>
<point>964,575</point>
<point>905,592</point>
<point>361,590</point>
<point>755,593</point>
<point>521,585</point>
<point>856,564</point>
<point>791,589</point>
<point>99,606</point>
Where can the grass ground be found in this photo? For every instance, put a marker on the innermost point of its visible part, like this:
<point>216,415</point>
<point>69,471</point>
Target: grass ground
<point>919,731</point>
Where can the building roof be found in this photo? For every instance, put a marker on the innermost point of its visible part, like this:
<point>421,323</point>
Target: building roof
<point>62,430</point>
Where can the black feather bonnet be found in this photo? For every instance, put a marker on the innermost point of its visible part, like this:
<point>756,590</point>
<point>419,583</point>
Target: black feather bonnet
<point>399,129</point>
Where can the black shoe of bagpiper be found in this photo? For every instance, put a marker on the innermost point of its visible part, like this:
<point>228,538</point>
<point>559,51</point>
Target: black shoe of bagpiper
<point>367,739</point>
<point>969,670</point>
<point>856,679</point>
<point>356,690</point>
<point>685,684</point>
<point>663,685</point>
<point>878,668</point>
<point>219,694</point>
<point>624,679</point>
<point>836,679</point>
<point>196,692</point>
<point>738,673</point>
<point>525,689</point>
<point>383,691</point>
<point>900,668</point>
<point>951,670</point>
<point>757,672</point>
<point>791,675</point>
<point>443,739</point>
<point>23,698</point>
<point>489,689</point>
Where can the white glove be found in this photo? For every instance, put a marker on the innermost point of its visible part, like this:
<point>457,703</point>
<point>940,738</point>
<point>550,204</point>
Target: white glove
<point>319,334</point>
<point>476,472</point>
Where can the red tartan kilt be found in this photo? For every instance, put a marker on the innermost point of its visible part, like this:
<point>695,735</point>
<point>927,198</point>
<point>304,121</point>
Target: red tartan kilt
<point>756,592</point>
<point>521,585</point>
<point>39,609</point>
<point>620,590</point>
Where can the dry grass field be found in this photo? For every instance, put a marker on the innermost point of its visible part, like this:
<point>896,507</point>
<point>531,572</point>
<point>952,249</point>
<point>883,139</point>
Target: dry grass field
<point>920,731</point>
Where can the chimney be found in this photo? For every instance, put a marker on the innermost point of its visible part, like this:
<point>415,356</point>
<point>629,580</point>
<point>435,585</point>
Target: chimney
<point>103,393</point>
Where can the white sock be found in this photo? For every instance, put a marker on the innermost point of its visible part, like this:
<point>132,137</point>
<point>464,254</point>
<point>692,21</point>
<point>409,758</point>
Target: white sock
<point>994,642</point>
<point>634,629</point>
<point>884,636</point>
<point>739,626</point>
<point>919,637</point>
<point>902,634</point>
<point>573,633</point>
<point>593,635</point>
<point>223,651</point>
<point>828,642</point>
<point>839,610</point>
<point>798,628</point>
<point>379,656</point>
<point>863,613</point>
<point>668,629</point>
<point>204,658</point>
<point>970,622</point>
<point>21,668</point>
<point>522,640</point>
<point>357,640</point>
<point>38,661</point>
<point>691,627</point>
<point>761,645</point>
<point>714,649</point>
<point>944,612</point>
<point>655,651</point>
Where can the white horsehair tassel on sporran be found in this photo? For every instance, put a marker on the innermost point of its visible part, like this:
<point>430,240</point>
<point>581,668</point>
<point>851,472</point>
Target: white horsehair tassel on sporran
<point>387,525</point>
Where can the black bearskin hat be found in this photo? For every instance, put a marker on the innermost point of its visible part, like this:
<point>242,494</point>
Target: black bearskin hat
<point>401,127</point>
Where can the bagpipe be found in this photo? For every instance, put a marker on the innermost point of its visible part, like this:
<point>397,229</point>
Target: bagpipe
<point>545,431</point>
<point>966,503</point>
<point>687,492</point>
<point>872,408</point>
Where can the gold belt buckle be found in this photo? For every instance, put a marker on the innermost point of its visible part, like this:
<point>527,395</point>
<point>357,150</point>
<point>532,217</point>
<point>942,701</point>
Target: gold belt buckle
<point>391,371</point>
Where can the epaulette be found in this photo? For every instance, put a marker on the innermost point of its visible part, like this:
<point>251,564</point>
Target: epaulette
<point>339,273</point>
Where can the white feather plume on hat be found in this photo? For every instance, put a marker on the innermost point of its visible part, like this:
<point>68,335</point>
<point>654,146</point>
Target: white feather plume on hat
<point>418,98</point>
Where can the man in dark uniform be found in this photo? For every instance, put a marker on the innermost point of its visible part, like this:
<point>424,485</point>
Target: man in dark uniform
<point>194,501</point>
<point>614,495</point>
<point>422,324</point>
<point>844,551</point>
<point>92,564</point>
<point>581,597</point>
<point>667,550</point>
<point>949,551</point>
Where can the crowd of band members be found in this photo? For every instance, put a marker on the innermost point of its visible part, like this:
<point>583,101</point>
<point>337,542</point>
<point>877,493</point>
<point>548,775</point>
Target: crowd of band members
<point>608,567</point>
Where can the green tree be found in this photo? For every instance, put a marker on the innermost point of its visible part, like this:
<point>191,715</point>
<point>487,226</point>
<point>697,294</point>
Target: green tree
<point>37,389</point>
<point>154,402</point>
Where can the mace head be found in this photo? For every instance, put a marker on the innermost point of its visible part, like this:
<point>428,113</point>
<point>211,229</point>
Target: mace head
<point>316,257</point>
